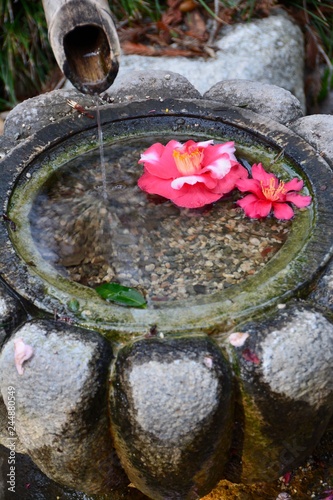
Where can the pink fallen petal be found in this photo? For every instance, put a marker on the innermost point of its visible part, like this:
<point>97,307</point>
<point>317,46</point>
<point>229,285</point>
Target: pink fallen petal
<point>262,208</point>
<point>208,361</point>
<point>287,477</point>
<point>249,199</point>
<point>237,339</point>
<point>22,352</point>
<point>187,197</point>
<point>249,355</point>
<point>152,154</point>
<point>204,144</point>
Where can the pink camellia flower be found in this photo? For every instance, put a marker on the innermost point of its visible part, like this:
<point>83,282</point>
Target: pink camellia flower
<point>192,174</point>
<point>268,193</point>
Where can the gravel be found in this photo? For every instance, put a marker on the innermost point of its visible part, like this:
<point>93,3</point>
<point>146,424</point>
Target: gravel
<point>144,241</point>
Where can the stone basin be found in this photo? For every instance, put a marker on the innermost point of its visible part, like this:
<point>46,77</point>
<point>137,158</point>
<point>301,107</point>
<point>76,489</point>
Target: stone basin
<point>291,270</point>
<point>179,406</point>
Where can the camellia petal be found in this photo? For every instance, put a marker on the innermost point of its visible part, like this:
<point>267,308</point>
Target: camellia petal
<point>261,175</point>
<point>293,185</point>
<point>22,352</point>
<point>251,185</point>
<point>219,168</point>
<point>283,211</point>
<point>152,154</point>
<point>249,199</point>
<point>203,144</point>
<point>298,200</point>
<point>212,154</point>
<point>159,161</point>
<point>229,182</point>
<point>262,208</point>
<point>253,207</point>
<point>195,196</point>
<point>193,179</point>
<point>155,185</point>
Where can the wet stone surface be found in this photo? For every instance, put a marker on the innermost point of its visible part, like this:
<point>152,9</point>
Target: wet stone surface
<point>171,411</point>
<point>61,404</point>
<point>11,314</point>
<point>285,370</point>
<point>145,241</point>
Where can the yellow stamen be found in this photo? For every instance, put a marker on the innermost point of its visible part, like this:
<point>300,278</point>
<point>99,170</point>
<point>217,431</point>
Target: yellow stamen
<point>188,163</point>
<point>271,192</point>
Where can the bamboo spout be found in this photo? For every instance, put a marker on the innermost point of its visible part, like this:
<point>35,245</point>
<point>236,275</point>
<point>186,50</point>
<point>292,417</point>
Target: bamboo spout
<point>84,41</point>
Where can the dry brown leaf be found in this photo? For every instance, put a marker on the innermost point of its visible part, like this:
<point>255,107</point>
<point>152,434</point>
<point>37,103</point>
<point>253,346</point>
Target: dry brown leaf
<point>134,34</point>
<point>145,50</point>
<point>173,15</point>
<point>196,23</point>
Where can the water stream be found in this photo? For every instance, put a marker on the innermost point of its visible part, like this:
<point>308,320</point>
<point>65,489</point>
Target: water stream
<point>101,147</point>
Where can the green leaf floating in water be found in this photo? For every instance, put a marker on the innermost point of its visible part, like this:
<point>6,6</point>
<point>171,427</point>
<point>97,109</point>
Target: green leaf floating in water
<point>122,295</point>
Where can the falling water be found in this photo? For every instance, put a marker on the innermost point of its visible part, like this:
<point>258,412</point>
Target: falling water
<point>101,147</point>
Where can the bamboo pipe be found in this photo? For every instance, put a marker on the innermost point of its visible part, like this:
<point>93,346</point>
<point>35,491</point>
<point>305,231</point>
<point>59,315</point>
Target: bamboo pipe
<point>84,41</point>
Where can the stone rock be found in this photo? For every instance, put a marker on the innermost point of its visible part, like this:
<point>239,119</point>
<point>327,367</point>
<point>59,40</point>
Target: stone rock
<point>322,295</point>
<point>269,50</point>
<point>32,484</point>
<point>171,410</point>
<point>286,378</point>
<point>6,145</point>
<point>61,405</point>
<point>38,112</point>
<point>142,85</point>
<point>5,438</point>
<point>318,131</point>
<point>12,314</point>
<point>262,98</point>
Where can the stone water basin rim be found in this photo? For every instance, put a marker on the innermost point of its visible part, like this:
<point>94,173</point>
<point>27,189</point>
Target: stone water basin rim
<point>291,271</point>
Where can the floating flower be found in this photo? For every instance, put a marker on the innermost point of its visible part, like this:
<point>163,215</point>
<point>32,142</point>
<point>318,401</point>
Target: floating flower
<point>22,352</point>
<point>192,174</point>
<point>268,193</point>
